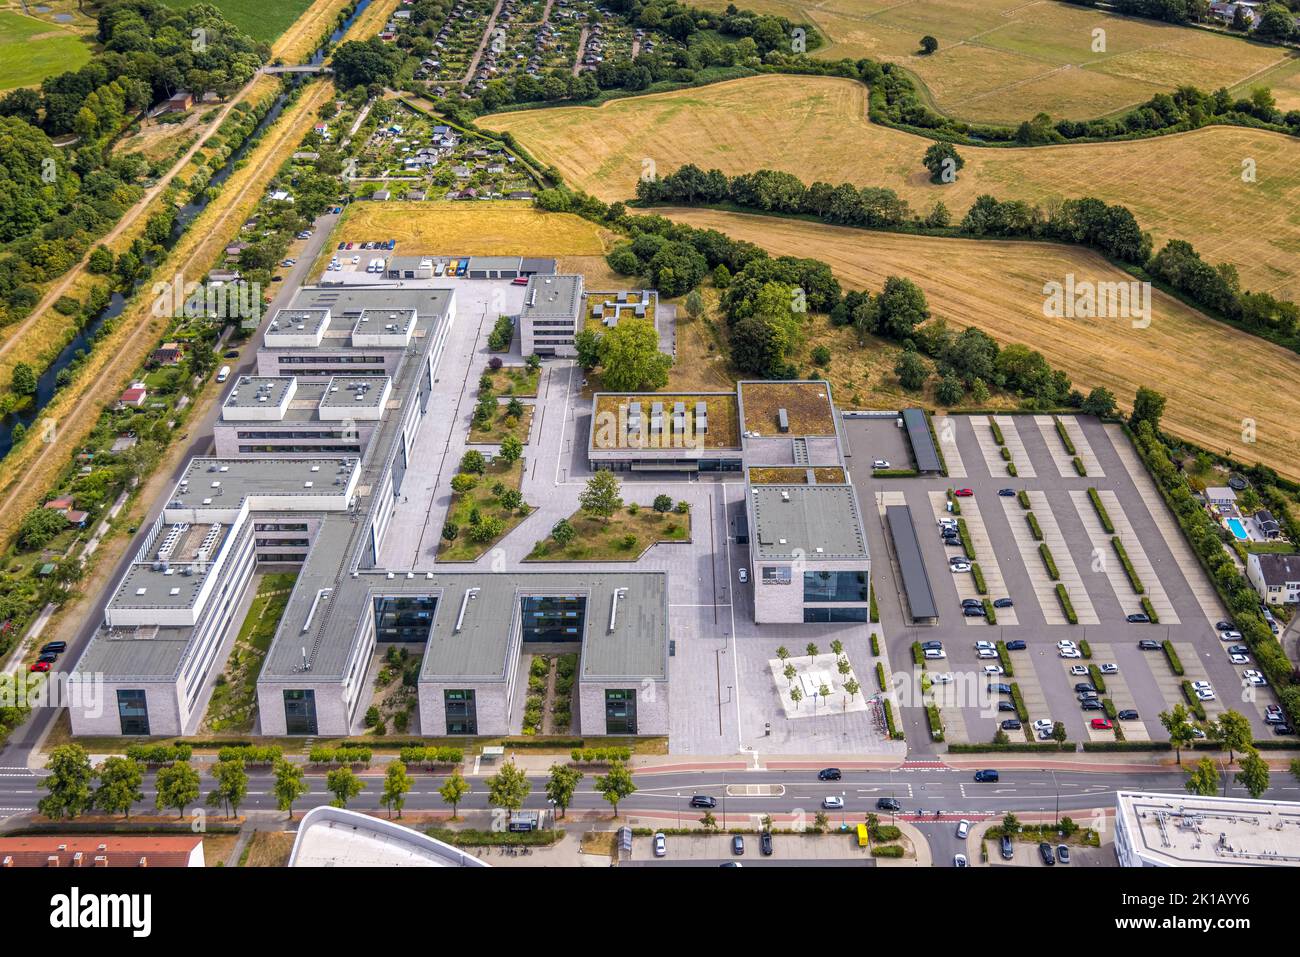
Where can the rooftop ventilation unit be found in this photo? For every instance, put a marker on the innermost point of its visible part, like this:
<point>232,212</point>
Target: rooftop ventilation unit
<point>470,594</point>
<point>782,420</point>
<point>619,593</point>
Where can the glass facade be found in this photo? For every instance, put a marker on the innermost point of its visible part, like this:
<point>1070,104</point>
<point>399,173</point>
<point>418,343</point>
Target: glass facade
<point>553,617</point>
<point>408,618</point>
<point>834,614</point>
<point>462,716</point>
<point>133,712</point>
<point>835,586</point>
<point>300,712</point>
<point>620,711</point>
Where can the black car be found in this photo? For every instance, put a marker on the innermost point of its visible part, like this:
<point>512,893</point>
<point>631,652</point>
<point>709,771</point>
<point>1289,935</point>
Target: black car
<point>971,603</point>
<point>49,658</point>
<point>1128,714</point>
<point>1006,492</point>
<point>973,611</point>
<point>1008,852</point>
<point>1003,603</point>
<point>1045,852</point>
<point>1011,724</point>
<point>954,542</point>
<point>986,776</point>
<point>1016,645</point>
<point>1282,729</point>
<point>932,646</point>
<point>765,843</point>
<point>231,354</point>
<point>703,800</point>
<point>1084,686</point>
<point>1000,688</point>
<point>737,845</point>
<point>829,774</point>
<point>1006,706</point>
<point>1063,854</point>
<point>1140,618</point>
<point>55,647</point>
<point>1149,644</point>
<point>1092,704</point>
<point>1224,626</point>
<point>1238,650</point>
<point>888,804</point>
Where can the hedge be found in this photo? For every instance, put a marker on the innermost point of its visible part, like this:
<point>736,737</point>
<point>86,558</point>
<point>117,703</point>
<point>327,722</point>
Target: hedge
<point>159,753</point>
<point>1172,656</point>
<point>875,615</point>
<point>918,656</point>
<point>1034,527</point>
<point>1150,609</point>
<point>1108,708</point>
<point>935,720</point>
<point>1004,658</point>
<point>1079,467</point>
<point>875,645</point>
<point>1050,562</point>
<point>1005,453</point>
<point>1016,699</point>
<point>894,733</point>
<point>323,755</point>
<point>973,747</point>
<point>997,432</point>
<point>880,675</point>
<point>1023,497</point>
<point>980,586</point>
<point>1011,469</point>
<point>1085,649</point>
<point>1067,606</point>
<point>990,613</point>
<point>431,756</point>
<point>1098,681</point>
<point>894,473</point>
<point>599,755</point>
<point>886,832</point>
<point>886,850</point>
<point>1065,437</point>
<point>954,503</point>
<point>1193,702</point>
<point>1102,514</point>
<point>1127,746</point>
<point>1133,578</point>
<point>965,539</point>
<point>251,754</point>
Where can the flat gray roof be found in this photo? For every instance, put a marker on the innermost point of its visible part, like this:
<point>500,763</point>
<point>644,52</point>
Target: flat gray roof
<point>916,582</point>
<point>258,391</point>
<point>380,321</point>
<point>288,320</point>
<point>819,521</point>
<point>495,262</point>
<point>918,433</point>
<point>350,301</point>
<point>355,392</point>
<point>227,482</point>
<point>537,265</point>
<point>148,653</point>
<point>552,296</point>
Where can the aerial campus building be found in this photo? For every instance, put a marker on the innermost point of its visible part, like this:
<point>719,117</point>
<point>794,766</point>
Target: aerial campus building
<point>808,548</point>
<point>312,453</point>
<point>1182,830</point>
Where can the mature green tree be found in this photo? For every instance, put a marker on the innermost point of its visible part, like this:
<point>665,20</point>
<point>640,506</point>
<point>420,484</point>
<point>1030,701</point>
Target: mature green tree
<point>1203,778</point>
<point>943,161</point>
<point>511,449</point>
<point>473,462</point>
<point>602,496</point>
<point>561,784</point>
<point>1253,775</point>
<point>1235,732</point>
<point>289,785</point>
<point>1177,723</point>
<point>630,357</point>
<point>24,380</point>
<point>508,788</point>
<point>663,503</point>
<point>929,44</point>
<point>69,783</point>
<point>616,785</point>
<point>695,304</point>
<point>1100,402</point>
<point>912,370</point>
<point>453,790</point>
<point>397,784</point>
<point>177,785</point>
<point>563,532</point>
<point>902,307</point>
<point>120,781</point>
<point>587,342</point>
<point>1010,824</point>
<point>1148,406</point>
<point>1276,23</point>
<point>344,785</point>
<point>232,786</point>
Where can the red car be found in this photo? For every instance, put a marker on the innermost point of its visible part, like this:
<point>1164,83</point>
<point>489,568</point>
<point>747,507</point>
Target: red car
<point>963,493</point>
<point>519,281</point>
<point>1101,724</point>
<point>39,666</point>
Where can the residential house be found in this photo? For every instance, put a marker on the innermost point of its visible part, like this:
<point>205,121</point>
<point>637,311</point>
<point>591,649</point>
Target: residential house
<point>1275,577</point>
<point>124,850</point>
<point>168,354</point>
<point>1221,496</point>
<point>1268,526</point>
<point>134,396</point>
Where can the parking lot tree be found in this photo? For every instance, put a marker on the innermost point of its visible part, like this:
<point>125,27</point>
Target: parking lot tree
<point>563,532</point>
<point>1253,775</point>
<point>1203,778</point>
<point>511,449</point>
<point>397,784</point>
<point>119,785</point>
<point>851,688</point>
<point>508,788</point>
<point>1059,732</point>
<point>232,786</point>
<point>1001,737</point>
<point>344,785</point>
<point>603,495</point>
<point>790,672</point>
<point>616,785</point>
<point>1148,406</point>
<point>454,789</point>
<point>289,785</point>
<point>796,695</point>
<point>709,822</point>
<point>630,357</point>
<point>68,783</point>
<point>1010,824</point>
<point>1235,732</point>
<point>473,462</point>
<point>177,786</point>
<point>1100,402</point>
<point>663,503</point>
<point>561,784</point>
<point>1178,724</point>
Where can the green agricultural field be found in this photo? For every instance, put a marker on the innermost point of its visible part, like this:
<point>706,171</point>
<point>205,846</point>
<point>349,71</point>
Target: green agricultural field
<point>260,19</point>
<point>31,50</point>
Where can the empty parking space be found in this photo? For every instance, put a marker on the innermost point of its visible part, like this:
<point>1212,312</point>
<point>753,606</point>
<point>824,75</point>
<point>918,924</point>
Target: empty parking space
<point>1060,457</point>
<point>945,429</point>
<point>1137,555</point>
<point>1044,586</point>
<point>1082,447</point>
<point>1031,688</point>
<point>1130,601</point>
<point>1019,457</point>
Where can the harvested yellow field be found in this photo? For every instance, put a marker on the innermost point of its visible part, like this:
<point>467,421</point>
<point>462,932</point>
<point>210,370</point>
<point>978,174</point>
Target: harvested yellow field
<point>1187,186</point>
<point>1214,376</point>
<point>1001,61</point>
<point>299,42</point>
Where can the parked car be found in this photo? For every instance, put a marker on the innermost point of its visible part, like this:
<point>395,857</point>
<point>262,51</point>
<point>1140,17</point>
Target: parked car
<point>1273,714</point>
<point>977,611</point>
<point>1065,643</point>
<point>1230,636</point>
<point>39,666</point>
<point>1101,724</point>
<point>1011,724</point>
<point>1282,729</point>
<point>1008,851</point>
<point>1085,686</point>
<point>888,804</point>
<point>1238,650</point>
<point>833,802</point>
<point>738,845</point>
<point>932,646</point>
<point>976,603</point>
<point>1016,645</point>
<point>1205,696</point>
<point>1070,653</point>
<point>765,843</point>
<point>986,653</point>
<point>1043,724</point>
<point>942,678</point>
<point>1149,644</point>
<point>1006,706</point>
<point>1239,659</point>
<point>48,657</point>
<point>58,647</point>
<point>880,464</point>
<point>703,800</point>
<point>1256,678</point>
<point>829,774</point>
<point>1141,618</point>
<point>1079,671</point>
<point>993,669</point>
<point>1003,603</point>
<point>959,860</point>
<point>960,566</point>
<point>963,493</point>
<point>963,828</point>
<point>1047,854</point>
<point>1006,492</point>
<point>661,844</point>
<point>1224,626</point>
<point>1128,714</point>
<point>1062,853</point>
<point>1000,687</point>
<point>986,776</point>
<point>1090,704</point>
<point>934,654</point>
<point>1088,696</point>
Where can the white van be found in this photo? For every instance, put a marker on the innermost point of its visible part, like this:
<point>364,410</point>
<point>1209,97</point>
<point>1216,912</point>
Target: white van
<point>223,373</point>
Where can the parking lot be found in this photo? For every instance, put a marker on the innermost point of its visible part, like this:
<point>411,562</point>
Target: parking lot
<point>1007,547</point>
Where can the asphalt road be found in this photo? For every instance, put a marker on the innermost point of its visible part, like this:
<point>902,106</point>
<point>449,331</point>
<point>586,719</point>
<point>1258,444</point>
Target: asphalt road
<point>26,738</point>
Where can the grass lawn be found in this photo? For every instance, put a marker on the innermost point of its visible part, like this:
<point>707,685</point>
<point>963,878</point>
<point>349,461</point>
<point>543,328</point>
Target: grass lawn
<point>234,699</point>
<point>601,541</point>
<point>268,849</point>
<point>462,549</point>
<point>504,424</point>
<point>514,381</point>
<point>31,50</point>
<point>260,20</point>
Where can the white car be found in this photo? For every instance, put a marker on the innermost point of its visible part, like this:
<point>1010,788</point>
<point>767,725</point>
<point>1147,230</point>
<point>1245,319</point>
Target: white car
<point>355,260</point>
<point>942,678</point>
<point>1065,643</point>
<point>963,828</point>
<point>661,844</point>
<point>959,860</point>
<point>1079,671</point>
<point>742,574</point>
<point>1201,685</point>
<point>833,803</point>
<point>993,669</point>
<point>1254,678</point>
<point>1043,724</point>
<point>960,566</point>
<point>1229,636</point>
<point>934,654</point>
<point>1071,653</point>
<point>880,464</point>
<point>986,653</point>
<point>985,645</point>
<point>1205,695</point>
<point>1110,669</point>
<point>1239,659</point>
